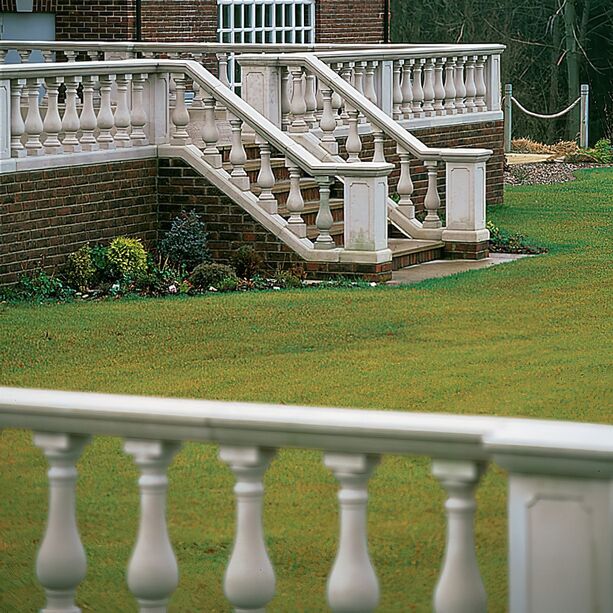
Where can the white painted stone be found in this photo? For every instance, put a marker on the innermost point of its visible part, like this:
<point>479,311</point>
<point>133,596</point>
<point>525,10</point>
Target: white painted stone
<point>5,119</point>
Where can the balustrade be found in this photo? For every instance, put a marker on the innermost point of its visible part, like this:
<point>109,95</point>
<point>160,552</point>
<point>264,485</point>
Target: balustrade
<point>546,505</point>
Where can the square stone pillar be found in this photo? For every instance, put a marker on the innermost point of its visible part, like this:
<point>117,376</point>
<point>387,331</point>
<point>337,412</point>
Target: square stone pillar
<point>365,213</point>
<point>261,89</point>
<point>5,119</point>
<point>560,515</point>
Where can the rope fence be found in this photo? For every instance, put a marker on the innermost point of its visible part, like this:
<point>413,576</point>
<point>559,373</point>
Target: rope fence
<point>509,100</point>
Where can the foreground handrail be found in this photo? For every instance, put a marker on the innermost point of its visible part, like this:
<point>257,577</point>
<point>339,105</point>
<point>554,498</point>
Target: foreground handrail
<point>566,468</point>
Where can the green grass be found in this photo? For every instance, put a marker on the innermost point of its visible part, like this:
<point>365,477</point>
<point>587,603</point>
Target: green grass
<point>531,338</point>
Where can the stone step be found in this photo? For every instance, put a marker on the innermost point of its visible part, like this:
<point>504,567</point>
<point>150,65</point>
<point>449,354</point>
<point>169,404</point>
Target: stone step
<point>408,251</point>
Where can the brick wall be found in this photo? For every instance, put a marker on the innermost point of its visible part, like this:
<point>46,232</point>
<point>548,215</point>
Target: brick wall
<point>178,20</point>
<point>45,215</point>
<point>336,21</point>
<point>343,21</point>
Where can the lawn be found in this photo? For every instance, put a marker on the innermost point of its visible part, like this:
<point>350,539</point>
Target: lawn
<point>530,338</point>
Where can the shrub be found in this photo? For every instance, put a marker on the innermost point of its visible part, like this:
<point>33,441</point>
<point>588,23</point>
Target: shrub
<point>127,257</point>
<point>39,286</point>
<point>185,244</point>
<point>603,151</point>
<point>80,270</point>
<point>502,241</point>
<point>219,276</point>
<point>246,262</point>
<point>293,277</point>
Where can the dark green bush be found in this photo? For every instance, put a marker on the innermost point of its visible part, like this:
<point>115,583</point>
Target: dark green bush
<point>40,286</point>
<point>185,244</point>
<point>219,276</point>
<point>502,241</point>
<point>246,262</point>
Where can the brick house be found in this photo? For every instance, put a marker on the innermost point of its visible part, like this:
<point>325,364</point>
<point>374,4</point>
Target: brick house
<point>108,151</point>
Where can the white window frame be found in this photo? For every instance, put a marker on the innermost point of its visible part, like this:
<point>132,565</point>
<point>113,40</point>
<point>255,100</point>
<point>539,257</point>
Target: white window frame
<point>263,22</point>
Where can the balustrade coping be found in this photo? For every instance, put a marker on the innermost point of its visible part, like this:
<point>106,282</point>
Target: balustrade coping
<point>584,447</point>
<point>227,47</point>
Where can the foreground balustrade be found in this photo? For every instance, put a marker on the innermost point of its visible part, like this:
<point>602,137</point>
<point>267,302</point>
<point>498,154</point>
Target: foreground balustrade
<point>560,495</point>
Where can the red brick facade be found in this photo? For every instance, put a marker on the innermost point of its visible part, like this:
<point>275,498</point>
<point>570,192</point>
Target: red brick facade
<point>336,21</point>
<point>47,214</point>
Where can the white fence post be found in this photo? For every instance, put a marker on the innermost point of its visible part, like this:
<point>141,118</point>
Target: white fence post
<point>508,117</point>
<point>585,112</point>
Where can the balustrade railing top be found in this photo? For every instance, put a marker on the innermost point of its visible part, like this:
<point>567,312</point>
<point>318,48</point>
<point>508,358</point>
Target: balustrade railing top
<point>560,495</point>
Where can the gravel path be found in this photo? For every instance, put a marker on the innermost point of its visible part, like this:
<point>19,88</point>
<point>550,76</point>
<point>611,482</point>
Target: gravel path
<point>543,173</point>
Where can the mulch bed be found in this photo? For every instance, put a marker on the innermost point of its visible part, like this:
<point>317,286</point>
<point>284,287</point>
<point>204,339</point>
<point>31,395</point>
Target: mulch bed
<point>544,173</point>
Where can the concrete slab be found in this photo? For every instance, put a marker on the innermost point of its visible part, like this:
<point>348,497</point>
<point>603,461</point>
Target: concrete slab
<point>527,158</point>
<point>445,268</point>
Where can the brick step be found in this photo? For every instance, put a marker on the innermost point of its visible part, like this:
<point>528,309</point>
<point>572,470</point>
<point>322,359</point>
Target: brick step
<point>311,208</point>
<point>408,251</point>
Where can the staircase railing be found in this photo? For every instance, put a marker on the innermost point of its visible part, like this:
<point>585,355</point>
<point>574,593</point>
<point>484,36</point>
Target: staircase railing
<point>560,495</point>
<point>124,107</point>
<point>344,114</point>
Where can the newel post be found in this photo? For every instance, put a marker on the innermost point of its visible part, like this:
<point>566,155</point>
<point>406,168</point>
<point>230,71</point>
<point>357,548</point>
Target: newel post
<point>560,506</point>
<point>365,200</point>
<point>261,88</point>
<point>156,102</point>
<point>465,234</point>
<point>5,119</point>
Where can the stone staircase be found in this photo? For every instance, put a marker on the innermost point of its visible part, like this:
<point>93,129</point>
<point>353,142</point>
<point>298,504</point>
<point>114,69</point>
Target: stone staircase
<point>406,251</point>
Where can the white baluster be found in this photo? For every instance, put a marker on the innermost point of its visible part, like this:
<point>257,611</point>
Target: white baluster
<point>24,55</point>
<point>34,122</point>
<point>428,105</point>
<point>18,127</point>
<point>310,100</point>
<point>347,71</point>
<point>459,588</point>
<point>418,90</point>
<point>222,67</point>
<point>53,122</point>
<point>266,181</point>
<point>471,88</point>
<point>105,114</point>
<point>324,219</point>
<point>432,202</point>
<point>353,584</point>
<point>397,91</point>
<point>61,563</point>
<point>138,118</point>
<point>3,53</point>
<point>405,185</point>
<point>87,119</point>
<point>337,101</point>
<point>47,56</point>
<point>180,116</point>
<point>353,145</point>
<point>238,157</point>
<point>460,87</point>
<point>295,202</point>
<point>320,101</point>
<point>439,90</point>
<point>153,574</point>
<point>210,134</point>
<point>358,76</point>
<point>369,82</point>
<point>450,93</point>
<point>286,95</point>
<point>298,105</point>
<point>249,582</point>
<point>71,56</point>
<point>379,146</point>
<point>327,123</point>
<point>480,83</point>
<point>197,102</point>
<point>407,89</point>
<point>70,121</point>
<point>122,112</point>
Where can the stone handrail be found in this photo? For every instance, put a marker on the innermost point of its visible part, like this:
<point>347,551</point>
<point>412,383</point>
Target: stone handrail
<point>465,168</point>
<point>560,502</point>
